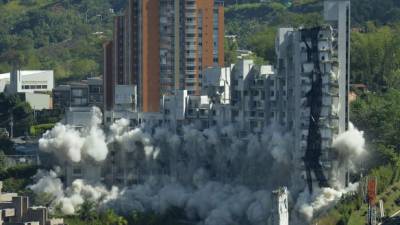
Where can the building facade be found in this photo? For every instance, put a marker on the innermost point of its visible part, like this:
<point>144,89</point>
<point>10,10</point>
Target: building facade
<point>16,210</point>
<point>34,86</point>
<point>308,97</point>
<point>160,47</point>
<point>338,14</point>
<point>86,93</point>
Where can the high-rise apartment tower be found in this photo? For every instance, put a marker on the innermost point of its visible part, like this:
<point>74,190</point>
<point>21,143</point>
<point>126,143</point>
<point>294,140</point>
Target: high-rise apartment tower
<point>161,46</point>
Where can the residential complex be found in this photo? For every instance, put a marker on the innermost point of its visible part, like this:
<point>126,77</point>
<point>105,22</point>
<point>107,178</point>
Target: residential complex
<point>15,210</point>
<point>163,46</point>
<point>305,94</point>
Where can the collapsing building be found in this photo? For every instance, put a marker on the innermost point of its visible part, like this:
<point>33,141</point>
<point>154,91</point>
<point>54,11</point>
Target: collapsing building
<point>305,94</point>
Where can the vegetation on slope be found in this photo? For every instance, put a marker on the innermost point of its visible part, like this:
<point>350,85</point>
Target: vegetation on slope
<point>66,36</point>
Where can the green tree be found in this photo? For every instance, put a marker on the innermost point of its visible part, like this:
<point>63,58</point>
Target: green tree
<point>111,218</point>
<point>13,108</point>
<point>375,60</point>
<point>83,67</point>
<point>3,161</point>
<point>23,118</point>
<point>87,211</point>
<point>263,44</point>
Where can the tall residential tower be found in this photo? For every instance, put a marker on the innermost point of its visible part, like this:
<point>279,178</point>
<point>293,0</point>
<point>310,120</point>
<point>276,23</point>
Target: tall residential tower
<point>161,46</point>
<point>337,13</point>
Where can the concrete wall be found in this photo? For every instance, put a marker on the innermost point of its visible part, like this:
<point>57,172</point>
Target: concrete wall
<point>39,101</point>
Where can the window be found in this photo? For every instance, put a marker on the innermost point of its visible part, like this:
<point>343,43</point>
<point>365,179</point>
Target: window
<point>235,113</point>
<point>77,171</point>
<point>77,92</point>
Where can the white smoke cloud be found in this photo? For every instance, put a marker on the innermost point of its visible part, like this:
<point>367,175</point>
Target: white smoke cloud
<point>63,141</point>
<point>47,182</point>
<point>197,160</point>
<point>214,203</point>
<point>350,143</point>
<point>311,205</point>
<point>70,199</point>
<point>118,128</point>
<point>217,176</point>
<point>351,146</point>
<point>69,143</point>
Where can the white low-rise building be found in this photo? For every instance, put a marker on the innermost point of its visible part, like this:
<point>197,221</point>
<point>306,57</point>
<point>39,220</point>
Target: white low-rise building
<point>35,86</point>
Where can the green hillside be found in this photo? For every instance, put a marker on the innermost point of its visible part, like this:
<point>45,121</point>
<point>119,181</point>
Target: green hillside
<point>66,36</point>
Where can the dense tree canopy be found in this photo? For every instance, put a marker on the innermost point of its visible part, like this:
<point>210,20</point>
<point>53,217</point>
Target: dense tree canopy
<point>66,36</point>
<point>14,109</point>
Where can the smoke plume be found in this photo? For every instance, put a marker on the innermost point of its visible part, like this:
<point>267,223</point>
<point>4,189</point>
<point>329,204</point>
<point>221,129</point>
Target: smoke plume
<point>218,176</point>
<point>350,147</point>
<point>71,144</point>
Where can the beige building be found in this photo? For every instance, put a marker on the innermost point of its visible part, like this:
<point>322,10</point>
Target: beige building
<point>15,210</point>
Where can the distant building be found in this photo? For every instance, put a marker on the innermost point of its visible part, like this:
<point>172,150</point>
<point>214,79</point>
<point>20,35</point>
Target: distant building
<point>163,46</point>
<point>86,93</point>
<point>15,210</point>
<point>96,94</point>
<point>78,116</point>
<point>242,54</point>
<point>34,86</point>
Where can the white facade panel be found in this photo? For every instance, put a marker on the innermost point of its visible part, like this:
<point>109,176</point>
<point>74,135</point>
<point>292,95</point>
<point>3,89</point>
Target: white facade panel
<point>39,101</point>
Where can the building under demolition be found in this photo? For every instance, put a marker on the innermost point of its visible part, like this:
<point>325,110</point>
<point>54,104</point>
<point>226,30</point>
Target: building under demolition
<point>305,93</point>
